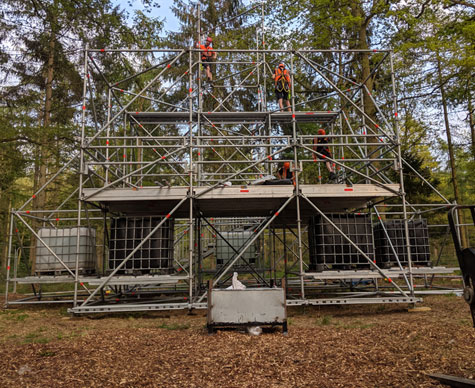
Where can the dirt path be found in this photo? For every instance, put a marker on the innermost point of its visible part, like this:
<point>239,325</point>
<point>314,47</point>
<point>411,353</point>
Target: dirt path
<point>351,346</point>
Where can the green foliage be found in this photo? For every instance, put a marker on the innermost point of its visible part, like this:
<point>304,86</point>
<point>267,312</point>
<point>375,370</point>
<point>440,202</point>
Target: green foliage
<point>42,67</point>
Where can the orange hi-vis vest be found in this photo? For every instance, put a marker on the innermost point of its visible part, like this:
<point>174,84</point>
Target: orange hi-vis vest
<point>281,74</point>
<point>206,52</point>
<point>287,174</point>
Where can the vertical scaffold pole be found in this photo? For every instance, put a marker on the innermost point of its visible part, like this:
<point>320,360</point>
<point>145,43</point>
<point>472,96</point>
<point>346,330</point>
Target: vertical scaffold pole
<point>401,177</point>
<point>200,106</point>
<point>190,192</point>
<point>109,109</point>
<point>296,177</point>
<point>81,167</point>
<point>264,88</point>
<point>200,100</point>
<point>264,71</point>
<point>258,71</point>
<point>10,243</point>
<point>363,123</point>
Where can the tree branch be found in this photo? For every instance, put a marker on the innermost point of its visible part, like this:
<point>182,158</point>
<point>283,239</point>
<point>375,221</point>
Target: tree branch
<point>423,8</point>
<point>461,2</point>
<point>17,138</point>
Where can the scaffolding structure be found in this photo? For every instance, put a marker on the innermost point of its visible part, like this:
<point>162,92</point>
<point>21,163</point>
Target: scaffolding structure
<point>170,179</point>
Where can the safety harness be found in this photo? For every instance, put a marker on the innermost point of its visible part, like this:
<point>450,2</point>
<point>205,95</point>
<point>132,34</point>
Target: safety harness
<point>206,53</point>
<point>282,82</point>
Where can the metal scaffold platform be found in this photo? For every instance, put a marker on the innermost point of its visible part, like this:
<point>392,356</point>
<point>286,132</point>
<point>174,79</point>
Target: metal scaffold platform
<point>182,184</point>
<point>156,118</point>
<point>247,201</point>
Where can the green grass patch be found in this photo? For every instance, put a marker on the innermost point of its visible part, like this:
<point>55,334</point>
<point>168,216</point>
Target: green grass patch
<point>466,322</point>
<point>77,333</point>
<point>174,326</point>
<point>450,296</point>
<point>47,353</point>
<point>17,317</point>
<point>35,338</point>
<point>14,315</point>
<point>325,320</point>
<point>11,311</point>
<point>328,320</point>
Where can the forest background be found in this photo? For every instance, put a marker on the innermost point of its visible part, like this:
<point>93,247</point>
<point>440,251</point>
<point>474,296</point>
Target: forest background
<point>41,59</point>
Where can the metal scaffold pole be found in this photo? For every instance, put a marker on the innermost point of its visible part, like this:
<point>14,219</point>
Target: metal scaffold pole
<point>109,108</point>
<point>199,72</point>
<point>401,177</point>
<point>81,172</point>
<point>190,190</point>
<point>297,177</point>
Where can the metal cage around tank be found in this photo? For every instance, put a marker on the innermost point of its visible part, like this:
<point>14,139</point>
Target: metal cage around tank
<point>156,255</point>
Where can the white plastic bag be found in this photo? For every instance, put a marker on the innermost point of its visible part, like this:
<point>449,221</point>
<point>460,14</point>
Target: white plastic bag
<point>237,285</point>
<point>254,330</point>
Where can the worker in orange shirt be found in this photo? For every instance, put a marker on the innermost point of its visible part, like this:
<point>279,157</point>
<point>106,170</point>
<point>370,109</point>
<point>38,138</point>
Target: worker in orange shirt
<point>321,146</point>
<point>285,173</point>
<point>207,56</point>
<point>282,86</point>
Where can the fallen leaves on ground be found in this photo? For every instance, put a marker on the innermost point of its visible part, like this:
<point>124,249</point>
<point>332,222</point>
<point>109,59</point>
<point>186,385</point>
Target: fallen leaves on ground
<point>350,346</point>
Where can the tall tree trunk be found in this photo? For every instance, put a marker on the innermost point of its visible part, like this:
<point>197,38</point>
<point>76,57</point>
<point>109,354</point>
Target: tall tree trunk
<point>471,121</point>
<point>361,42</point>
<point>5,232</point>
<point>369,107</point>
<point>41,167</point>
<point>45,152</point>
<point>451,149</point>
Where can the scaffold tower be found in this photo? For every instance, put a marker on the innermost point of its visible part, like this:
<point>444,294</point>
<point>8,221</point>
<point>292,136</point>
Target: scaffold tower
<point>177,186</point>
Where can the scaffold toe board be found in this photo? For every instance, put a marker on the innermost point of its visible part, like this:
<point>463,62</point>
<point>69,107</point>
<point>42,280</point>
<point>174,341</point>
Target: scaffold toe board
<point>140,280</point>
<point>231,117</point>
<point>245,200</point>
<point>48,279</point>
<point>341,301</point>
<point>128,307</point>
<point>372,274</point>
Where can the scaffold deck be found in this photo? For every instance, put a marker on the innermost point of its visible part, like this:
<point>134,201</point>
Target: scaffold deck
<point>247,201</point>
<point>231,117</point>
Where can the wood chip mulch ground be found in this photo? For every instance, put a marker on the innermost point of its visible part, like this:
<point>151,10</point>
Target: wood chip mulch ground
<point>351,346</point>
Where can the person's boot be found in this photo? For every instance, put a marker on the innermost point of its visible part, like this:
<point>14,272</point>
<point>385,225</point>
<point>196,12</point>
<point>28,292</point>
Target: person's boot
<point>332,176</point>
